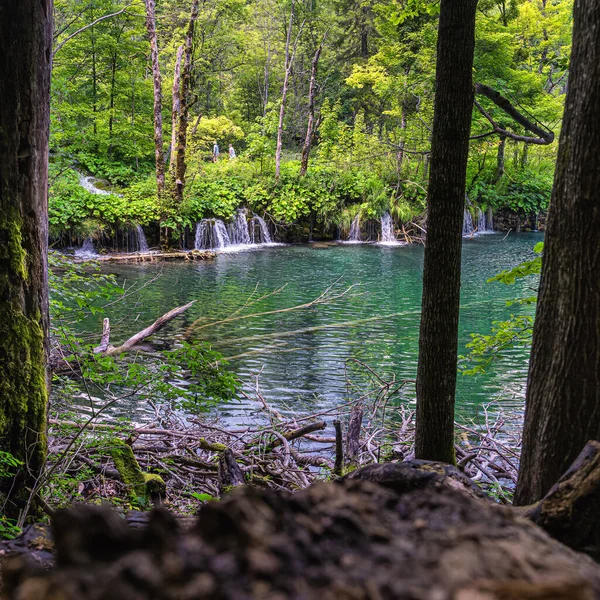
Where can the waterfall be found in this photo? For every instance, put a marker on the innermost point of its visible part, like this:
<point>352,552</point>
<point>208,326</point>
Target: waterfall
<point>388,235</point>
<point>213,234</point>
<point>355,230</point>
<point>87,249</point>
<point>142,244</point>
<point>238,230</point>
<point>468,228</point>
<point>481,221</point>
<point>89,183</point>
<point>264,236</point>
<point>485,223</point>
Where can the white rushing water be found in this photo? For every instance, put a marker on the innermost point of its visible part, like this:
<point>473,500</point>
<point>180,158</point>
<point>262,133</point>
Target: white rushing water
<point>354,237</point>
<point>240,234</point>
<point>142,243</point>
<point>388,234</point>
<point>89,183</point>
<point>484,222</point>
<point>87,250</point>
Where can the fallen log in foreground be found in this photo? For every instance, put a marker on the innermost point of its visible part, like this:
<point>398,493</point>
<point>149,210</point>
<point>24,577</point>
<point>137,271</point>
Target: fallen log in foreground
<point>428,536</point>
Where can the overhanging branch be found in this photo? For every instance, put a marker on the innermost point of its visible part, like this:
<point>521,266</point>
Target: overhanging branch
<point>545,137</point>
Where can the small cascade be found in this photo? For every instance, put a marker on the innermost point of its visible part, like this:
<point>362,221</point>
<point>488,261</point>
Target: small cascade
<point>240,234</point>
<point>211,234</point>
<point>238,230</point>
<point>142,244</point>
<point>355,230</point>
<point>481,221</point>
<point>87,249</point>
<point>484,221</point>
<point>88,183</point>
<point>260,233</point>
<point>468,228</point>
<point>388,235</point>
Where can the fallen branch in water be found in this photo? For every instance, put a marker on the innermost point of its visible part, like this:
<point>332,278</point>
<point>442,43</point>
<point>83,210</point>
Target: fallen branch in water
<point>107,350</point>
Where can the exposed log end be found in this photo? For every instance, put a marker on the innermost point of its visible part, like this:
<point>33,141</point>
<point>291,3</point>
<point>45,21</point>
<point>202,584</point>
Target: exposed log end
<point>570,510</point>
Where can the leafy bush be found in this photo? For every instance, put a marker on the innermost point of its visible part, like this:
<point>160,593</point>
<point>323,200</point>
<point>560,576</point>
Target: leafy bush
<point>527,192</point>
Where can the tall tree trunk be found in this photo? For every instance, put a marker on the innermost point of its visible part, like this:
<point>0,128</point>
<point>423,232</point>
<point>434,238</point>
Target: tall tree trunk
<point>438,343</point>
<point>176,109</point>
<point>111,112</point>
<point>157,81</point>
<point>25,66</point>
<point>288,67</point>
<point>312,90</point>
<point>180,164</point>
<point>563,393</point>
<point>94,84</point>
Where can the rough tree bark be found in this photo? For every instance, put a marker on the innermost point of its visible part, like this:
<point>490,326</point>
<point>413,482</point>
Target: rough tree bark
<point>438,343</point>
<point>184,104</point>
<point>563,392</point>
<point>310,128</point>
<point>176,109</point>
<point>289,59</point>
<point>158,135</point>
<point>25,66</point>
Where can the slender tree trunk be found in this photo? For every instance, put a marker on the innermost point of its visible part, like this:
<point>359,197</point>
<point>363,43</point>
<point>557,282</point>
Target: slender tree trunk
<point>286,79</point>
<point>312,90</point>
<point>94,84</point>
<point>180,164</point>
<point>438,343</point>
<point>159,158</point>
<point>25,66</point>
<point>176,109</point>
<point>563,392</point>
<point>113,76</point>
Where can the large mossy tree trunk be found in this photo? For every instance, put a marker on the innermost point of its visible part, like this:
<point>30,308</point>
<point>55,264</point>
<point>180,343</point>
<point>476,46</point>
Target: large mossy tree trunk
<point>438,343</point>
<point>25,66</point>
<point>563,392</point>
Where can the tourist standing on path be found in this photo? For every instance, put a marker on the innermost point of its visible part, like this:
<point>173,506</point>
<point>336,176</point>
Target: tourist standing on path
<point>215,152</point>
<point>231,152</point>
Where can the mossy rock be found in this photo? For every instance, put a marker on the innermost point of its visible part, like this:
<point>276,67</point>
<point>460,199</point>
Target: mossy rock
<point>143,487</point>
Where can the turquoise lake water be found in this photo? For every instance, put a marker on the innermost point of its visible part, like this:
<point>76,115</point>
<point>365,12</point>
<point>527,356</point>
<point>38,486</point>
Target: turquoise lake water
<point>301,354</point>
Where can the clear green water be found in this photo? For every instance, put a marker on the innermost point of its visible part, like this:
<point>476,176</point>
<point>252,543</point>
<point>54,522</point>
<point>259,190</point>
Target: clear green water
<point>306,371</point>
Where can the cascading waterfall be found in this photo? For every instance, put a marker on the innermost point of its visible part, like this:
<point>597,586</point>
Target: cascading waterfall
<point>213,234</point>
<point>485,222</point>
<point>388,235</point>
<point>89,183</point>
<point>355,230</point>
<point>238,230</point>
<point>481,221</point>
<point>468,228</point>
<point>260,227</point>
<point>87,249</point>
<point>142,244</point>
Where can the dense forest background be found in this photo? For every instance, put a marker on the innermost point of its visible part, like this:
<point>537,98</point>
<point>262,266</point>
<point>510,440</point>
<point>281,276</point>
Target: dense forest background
<point>349,84</point>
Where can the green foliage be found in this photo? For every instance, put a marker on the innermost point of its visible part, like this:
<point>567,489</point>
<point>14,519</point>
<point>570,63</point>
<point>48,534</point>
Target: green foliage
<point>525,269</point>
<point>378,62</point>
<point>528,192</point>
